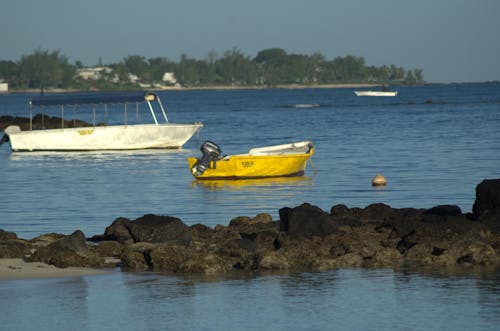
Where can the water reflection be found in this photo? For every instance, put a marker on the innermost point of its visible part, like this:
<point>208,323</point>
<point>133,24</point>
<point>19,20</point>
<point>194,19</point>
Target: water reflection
<point>65,304</point>
<point>255,184</point>
<point>387,300</point>
<point>157,287</point>
<point>306,284</point>
<point>96,155</point>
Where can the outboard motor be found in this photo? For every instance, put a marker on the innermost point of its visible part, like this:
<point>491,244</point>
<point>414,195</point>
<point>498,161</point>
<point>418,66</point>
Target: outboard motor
<point>5,138</point>
<point>9,130</point>
<point>210,153</point>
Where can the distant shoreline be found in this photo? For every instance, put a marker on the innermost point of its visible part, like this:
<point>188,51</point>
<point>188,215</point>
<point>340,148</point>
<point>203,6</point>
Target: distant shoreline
<point>204,88</point>
<point>229,87</point>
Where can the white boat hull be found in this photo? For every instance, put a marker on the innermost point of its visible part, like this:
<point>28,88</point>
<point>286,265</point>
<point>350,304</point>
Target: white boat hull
<point>119,137</point>
<point>376,93</point>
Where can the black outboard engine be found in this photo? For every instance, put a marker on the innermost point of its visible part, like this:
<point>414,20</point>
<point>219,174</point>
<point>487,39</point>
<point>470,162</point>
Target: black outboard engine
<point>210,153</point>
<point>5,138</point>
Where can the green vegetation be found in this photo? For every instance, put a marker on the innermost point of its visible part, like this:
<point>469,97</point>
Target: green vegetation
<point>270,67</point>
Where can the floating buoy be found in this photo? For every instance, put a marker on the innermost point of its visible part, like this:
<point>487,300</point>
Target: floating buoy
<point>379,180</point>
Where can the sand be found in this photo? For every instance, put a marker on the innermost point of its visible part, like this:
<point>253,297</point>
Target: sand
<point>18,269</point>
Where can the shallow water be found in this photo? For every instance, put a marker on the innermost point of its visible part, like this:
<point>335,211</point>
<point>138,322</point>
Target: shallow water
<point>349,299</point>
<point>434,144</point>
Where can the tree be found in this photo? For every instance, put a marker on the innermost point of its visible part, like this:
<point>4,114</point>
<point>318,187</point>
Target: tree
<point>419,76</point>
<point>234,68</point>
<point>9,71</point>
<point>271,56</point>
<point>138,66</point>
<point>158,66</point>
<point>121,72</point>
<point>410,78</point>
<point>271,66</point>
<point>186,71</point>
<point>350,68</point>
<point>44,69</point>
<point>210,71</point>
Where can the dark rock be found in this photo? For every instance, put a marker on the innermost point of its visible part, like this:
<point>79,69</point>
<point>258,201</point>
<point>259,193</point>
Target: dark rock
<point>14,248</point>
<point>157,229</point>
<point>245,220</point>
<point>487,197</point>
<point>491,218</point>
<point>342,215</point>
<point>377,213</point>
<point>486,208</point>
<point>260,230</point>
<point>148,228</point>
<point>245,244</point>
<point>46,239</point>
<point>170,257</point>
<point>441,213</point>
<point>4,235</point>
<point>75,242</point>
<point>444,210</point>
<point>261,218</point>
<point>306,221</point>
<point>240,220</point>
<point>239,253</point>
<point>339,211</point>
<point>469,251</point>
<point>41,121</point>
<point>70,251</point>
<point>201,232</point>
<point>109,248</point>
<point>119,231</point>
<point>294,253</point>
<point>374,213</point>
<point>136,257</point>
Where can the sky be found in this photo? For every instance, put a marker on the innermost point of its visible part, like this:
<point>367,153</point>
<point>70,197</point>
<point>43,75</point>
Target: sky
<point>450,40</point>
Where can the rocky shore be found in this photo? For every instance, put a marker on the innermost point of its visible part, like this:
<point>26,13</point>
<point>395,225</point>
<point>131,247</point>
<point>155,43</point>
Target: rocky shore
<point>41,121</point>
<point>304,238</point>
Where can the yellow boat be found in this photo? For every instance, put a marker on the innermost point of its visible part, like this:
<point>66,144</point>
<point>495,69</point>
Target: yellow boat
<point>264,162</point>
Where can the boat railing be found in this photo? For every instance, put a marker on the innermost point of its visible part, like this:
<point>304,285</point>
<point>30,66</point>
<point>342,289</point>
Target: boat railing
<point>94,100</point>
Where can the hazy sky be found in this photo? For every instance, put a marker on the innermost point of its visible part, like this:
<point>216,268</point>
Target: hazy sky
<point>451,40</point>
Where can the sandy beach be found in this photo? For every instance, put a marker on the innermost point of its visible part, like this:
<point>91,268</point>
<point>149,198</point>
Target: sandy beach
<point>11,269</point>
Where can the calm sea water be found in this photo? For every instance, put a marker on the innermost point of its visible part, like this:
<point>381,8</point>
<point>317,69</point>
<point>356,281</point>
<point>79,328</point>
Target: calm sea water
<point>434,144</point>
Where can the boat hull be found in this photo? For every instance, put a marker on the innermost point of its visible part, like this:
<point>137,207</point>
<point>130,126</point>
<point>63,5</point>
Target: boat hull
<point>119,137</point>
<point>376,93</point>
<point>247,166</point>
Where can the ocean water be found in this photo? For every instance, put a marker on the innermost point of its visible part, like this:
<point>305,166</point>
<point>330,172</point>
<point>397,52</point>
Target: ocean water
<point>433,143</point>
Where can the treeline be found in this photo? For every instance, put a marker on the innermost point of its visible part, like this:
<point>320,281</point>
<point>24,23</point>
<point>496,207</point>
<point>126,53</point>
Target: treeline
<point>270,67</point>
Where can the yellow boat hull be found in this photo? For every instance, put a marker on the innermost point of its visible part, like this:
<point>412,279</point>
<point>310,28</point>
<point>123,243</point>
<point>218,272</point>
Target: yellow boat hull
<point>254,166</point>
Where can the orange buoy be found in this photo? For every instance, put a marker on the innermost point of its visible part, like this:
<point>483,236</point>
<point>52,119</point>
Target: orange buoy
<point>379,180</point>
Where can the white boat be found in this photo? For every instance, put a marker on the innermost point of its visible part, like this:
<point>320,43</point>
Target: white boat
<point>376,93</point>
<point>95,138</point>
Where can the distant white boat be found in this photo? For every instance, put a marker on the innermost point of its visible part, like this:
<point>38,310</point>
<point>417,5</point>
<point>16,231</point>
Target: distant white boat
<point>94,138</point>
<point>305,105</point>
<point>376,93</point>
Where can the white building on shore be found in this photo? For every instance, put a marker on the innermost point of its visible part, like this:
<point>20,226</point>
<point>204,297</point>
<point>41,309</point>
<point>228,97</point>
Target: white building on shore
<point>169,77</point>
<point>93,73</point>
